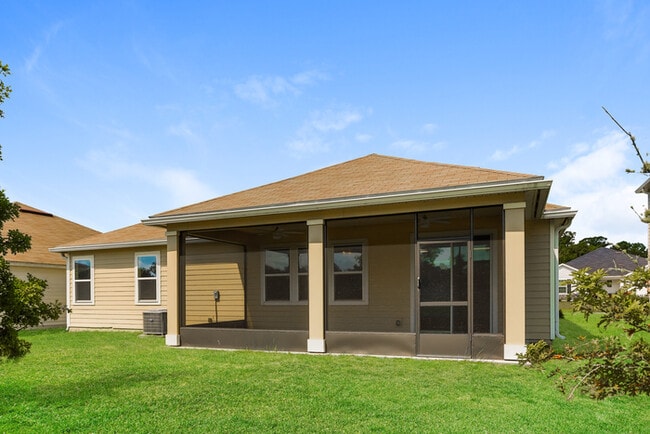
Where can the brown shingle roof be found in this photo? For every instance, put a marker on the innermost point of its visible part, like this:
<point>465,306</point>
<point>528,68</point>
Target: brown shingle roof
<point>134,234</point>
<point>46,230</point>
<point>366,176</point>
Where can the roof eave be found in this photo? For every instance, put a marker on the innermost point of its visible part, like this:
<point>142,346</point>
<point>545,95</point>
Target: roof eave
<point>562,213</point>
<point>106,246</point>
<point>644,188</point>
<point>381,199</point>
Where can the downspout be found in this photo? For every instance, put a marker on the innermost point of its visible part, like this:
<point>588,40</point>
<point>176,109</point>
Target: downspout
<point>67,290</point>
<point>555,281</point>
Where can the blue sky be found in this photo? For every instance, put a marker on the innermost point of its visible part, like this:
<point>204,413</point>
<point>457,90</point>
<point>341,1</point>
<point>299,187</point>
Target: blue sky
<point>123,109</point>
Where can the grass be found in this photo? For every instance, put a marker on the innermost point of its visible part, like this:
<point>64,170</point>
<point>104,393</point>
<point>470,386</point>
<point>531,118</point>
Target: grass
<point>123,382</point>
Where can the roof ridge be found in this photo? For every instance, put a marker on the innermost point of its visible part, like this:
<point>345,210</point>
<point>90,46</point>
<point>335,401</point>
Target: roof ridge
<point>28,209</point>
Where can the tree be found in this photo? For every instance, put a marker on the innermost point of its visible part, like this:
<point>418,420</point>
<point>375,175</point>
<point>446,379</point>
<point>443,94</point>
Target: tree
<point>637,249</point>
<point>606,365</point>
<point>570,250</point>
<point>21,301</point>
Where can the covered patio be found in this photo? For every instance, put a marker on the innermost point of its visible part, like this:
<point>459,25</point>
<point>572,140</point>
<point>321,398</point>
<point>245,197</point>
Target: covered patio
<point>430,272</point>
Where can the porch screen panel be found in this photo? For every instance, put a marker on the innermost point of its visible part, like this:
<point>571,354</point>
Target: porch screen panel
<point>487,281</point>
<point>443,287</point>
<point>213,266</point>
<point>369,274</point>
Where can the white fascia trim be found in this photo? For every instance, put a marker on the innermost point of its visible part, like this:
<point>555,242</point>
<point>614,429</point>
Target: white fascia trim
<point>108,246</point>
<point>382,199</point>
<point>560,214</point>
<point>568,266</point>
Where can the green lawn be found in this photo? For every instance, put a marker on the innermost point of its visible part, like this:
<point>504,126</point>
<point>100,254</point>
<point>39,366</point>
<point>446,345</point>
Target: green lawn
<point>123,382</point>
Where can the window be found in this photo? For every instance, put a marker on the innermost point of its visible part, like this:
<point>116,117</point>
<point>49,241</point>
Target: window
<point>83,280</point>
<point>286,275</point>
<point>348,271</point>
<point>147,278</point>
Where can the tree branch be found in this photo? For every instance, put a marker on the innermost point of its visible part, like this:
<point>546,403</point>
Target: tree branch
<point>644,165</point>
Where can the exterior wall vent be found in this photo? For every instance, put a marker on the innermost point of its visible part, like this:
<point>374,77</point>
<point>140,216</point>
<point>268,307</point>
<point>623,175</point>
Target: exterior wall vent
<point>154,322</point>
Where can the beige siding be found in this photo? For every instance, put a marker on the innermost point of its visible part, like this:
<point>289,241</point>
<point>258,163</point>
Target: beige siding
<point>114,291</point>
<point>55,291</point>
<point>389,261</point>
<point>210,267</point>
<point>270,316</point>
<point>538,283</point>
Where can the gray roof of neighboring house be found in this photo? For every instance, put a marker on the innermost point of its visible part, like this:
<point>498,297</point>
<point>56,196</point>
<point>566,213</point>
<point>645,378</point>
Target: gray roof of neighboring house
<point>616,263</point>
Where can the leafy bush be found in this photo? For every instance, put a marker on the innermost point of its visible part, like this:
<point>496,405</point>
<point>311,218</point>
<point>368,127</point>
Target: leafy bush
<point>604,366</point>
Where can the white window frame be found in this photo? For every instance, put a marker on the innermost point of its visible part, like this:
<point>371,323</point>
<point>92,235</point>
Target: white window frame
<point>137,279</point>
<point>364,272</point>
<point>294,253</point>
<point>90,302</point>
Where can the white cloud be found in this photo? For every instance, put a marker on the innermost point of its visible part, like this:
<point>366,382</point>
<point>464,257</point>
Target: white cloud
<point>184,131</point>
<point>363,137</point>
<point>316,134</point>
<point>410,145</point>
<point>594,183</point>
<point>500,155</point>
<point>308,145</point>
<point>429,128</point>
<point>262,90</point>
<point>308,77</point>
<point>265,90</point>
<point>416,146</point>
<point>179,186</point>
<point>35,56</point>
<point>330,120</point>
<point>183,185</point>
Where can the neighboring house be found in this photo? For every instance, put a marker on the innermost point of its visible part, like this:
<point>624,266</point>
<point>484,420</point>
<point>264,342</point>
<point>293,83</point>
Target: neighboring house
<point>377,255</point>
<point>645,189</point>
<point>616,264</point>
<point>46,231</point>
<point>116,276</point>
<point>565,277</point>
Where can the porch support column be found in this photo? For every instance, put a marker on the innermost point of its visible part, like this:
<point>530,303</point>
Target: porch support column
<point>515,280</point>
<point>316,340</point>
<point>173,336</point>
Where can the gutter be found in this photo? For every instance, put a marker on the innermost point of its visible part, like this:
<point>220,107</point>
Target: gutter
<point>106,246</point>
<point>328,204</point>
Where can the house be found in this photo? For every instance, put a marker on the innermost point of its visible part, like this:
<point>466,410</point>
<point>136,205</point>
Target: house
<point>377,255</point>
<point>115,277</point>
<point>645,189</point>
<point>46,231</point>
<point>616,264</point>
